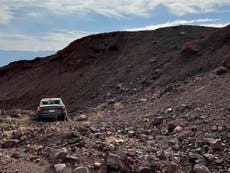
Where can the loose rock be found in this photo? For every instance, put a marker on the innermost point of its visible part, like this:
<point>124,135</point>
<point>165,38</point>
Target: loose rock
<point>200,168</point>
<point>81,169</point>
<point>9,143</point>
<point>82,118</point>
<point>221,70</point>
<point>59,168</point>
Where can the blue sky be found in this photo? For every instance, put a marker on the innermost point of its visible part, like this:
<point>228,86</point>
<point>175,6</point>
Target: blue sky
<point>50,25</point>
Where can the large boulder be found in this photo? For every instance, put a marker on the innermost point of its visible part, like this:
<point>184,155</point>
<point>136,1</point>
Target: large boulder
<point>226,63</point>
<point>147,164</point>
<point>200,168</point>
<point>81,169</point>
<point>115,163</point>
<point>190,48</point>
<point>59,168</point>
<point>221,70</point>
<point>9,143</point>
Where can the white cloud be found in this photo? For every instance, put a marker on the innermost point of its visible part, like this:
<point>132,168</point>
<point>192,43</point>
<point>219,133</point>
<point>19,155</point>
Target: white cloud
<point>51,41</point>
<point>182,7</point>
<point>118,8</point>
<point>220,25</point>
<point>6,14</point>
<point>34,14</point>
<point>201,22</point>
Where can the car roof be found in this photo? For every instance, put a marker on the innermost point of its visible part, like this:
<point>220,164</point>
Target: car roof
<point>48,99</point>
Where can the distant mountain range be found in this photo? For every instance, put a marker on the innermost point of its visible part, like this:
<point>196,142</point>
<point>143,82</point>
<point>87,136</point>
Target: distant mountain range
<point>9,56</point>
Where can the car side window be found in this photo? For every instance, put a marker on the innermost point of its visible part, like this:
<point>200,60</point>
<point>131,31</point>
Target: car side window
<point>57,102</point>
<point>44,103</point>
<point>51,102</point>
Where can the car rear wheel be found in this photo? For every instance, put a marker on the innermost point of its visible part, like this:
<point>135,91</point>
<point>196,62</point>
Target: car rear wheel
<point>38,118</point>
<point>61,118</point>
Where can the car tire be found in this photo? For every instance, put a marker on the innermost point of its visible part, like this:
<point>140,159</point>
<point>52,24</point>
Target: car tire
<point>61,118</point>
<point>39,118</point>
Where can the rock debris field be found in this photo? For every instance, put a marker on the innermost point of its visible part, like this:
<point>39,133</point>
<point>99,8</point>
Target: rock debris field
<point>181,129</point>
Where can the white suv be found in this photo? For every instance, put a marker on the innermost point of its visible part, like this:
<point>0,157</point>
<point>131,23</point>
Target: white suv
<point>52,108</point>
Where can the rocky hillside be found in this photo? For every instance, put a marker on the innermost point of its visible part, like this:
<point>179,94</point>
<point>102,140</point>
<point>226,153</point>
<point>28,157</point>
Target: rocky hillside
<point>140,102</point>
<point>100,67</point>
<point>183,128</point>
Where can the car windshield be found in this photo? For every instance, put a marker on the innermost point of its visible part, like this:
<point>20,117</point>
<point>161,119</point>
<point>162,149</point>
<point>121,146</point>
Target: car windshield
<point>51,102</point>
